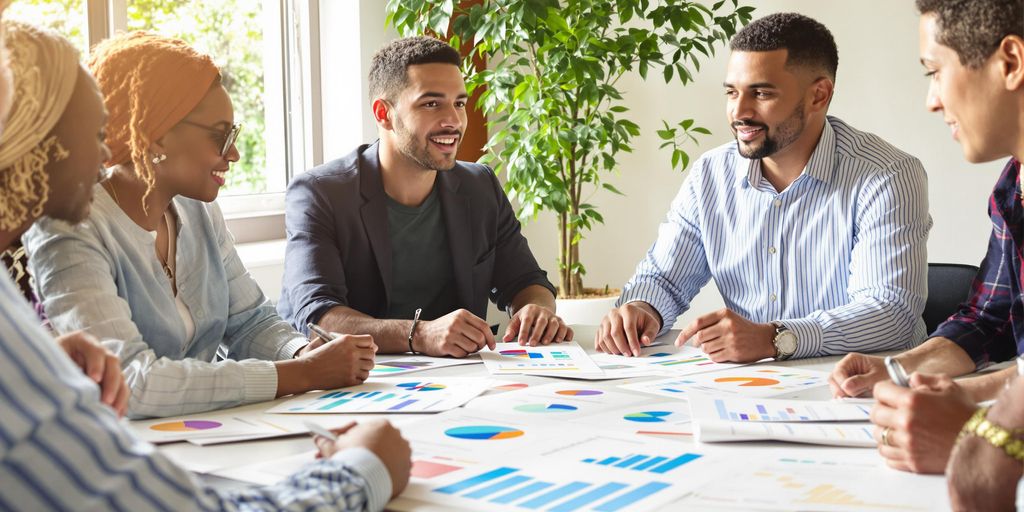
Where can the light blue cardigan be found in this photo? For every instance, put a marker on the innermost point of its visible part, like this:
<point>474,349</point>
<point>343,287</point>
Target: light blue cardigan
<point>103,276</point>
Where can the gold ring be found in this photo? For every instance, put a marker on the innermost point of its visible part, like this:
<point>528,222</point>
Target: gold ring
<point>885,436</point>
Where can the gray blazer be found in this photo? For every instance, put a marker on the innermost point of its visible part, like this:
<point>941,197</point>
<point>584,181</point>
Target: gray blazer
<point>339,251</point>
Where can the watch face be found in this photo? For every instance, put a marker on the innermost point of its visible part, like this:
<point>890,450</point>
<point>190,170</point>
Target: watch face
<point>786,342</point>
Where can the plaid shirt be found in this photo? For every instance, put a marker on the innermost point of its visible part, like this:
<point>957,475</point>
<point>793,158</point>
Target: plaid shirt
<point>990,325</point>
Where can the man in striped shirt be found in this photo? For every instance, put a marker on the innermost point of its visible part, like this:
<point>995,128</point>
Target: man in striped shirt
<point>814,232</point>
<point>61,448</point>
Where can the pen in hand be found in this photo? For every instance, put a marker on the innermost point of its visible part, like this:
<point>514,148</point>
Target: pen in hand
<point>896,372</point>
<point>319,331</point>
<point>317,430</point>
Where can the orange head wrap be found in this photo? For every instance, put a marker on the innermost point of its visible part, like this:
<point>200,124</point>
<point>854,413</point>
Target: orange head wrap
<point>149,84</point>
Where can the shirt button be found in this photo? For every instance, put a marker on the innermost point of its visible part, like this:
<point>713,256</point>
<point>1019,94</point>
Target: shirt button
<point>777,202</point>
<point>772,297</point>
<point>771,250</point>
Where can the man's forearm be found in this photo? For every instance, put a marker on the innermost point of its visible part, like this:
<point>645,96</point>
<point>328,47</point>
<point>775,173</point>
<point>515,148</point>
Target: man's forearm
<point>937,356</point>
<point>533,294</point>
<point>988,386</point>
<point>391,336</point>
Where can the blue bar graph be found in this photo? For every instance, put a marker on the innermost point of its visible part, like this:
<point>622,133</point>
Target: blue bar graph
<point>631,497</point>
<point>654,461</point>
<point>336,403</point>
<point>649,463</point>
<point>402,405</point>
<point>589,497</point>
<point>522,492</point>
<point>553,495</point>
<point>336,394</point>
<point>486,491</point>
<point>631,460</point>
<point>373,394</point>
<point>476,480</point>
<point>384,397</point>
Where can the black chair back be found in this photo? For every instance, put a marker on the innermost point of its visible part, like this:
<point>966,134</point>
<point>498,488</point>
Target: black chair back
<point>949,285</point>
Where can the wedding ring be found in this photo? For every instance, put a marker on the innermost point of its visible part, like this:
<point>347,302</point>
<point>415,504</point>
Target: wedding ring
<point>885,436</point>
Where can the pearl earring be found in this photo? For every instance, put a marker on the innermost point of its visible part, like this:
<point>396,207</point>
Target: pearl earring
<point>159,158</point>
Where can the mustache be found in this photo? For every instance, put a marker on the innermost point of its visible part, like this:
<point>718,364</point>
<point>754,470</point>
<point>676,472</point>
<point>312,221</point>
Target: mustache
<point>752,124</point>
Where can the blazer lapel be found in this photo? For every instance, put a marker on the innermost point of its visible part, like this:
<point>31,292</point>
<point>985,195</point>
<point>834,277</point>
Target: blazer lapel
<point>456,210</point>
<point>374,214</point>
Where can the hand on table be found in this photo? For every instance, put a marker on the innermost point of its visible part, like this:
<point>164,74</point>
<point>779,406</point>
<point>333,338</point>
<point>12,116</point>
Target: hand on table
<point>725,336</point>
<point>344,361</point>
<point>456,334</point>
<point>536,325</point>
<point>627,328</point>
<point>100,365</point>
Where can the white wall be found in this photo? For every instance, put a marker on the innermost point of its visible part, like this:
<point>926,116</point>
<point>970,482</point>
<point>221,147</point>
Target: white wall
<point>880,88</point>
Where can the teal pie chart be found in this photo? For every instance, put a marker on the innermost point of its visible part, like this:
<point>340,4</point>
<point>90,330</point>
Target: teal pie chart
<point>483,432</point>
<point>648,416</point>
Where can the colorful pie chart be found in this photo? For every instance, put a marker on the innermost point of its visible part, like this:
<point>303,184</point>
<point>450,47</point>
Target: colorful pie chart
<point>185,426</point>
<point>749,381</point>
<point>545,408</point>
<point>579,392</point>
<point>648,416</point>
<point>512,386</point>
<point>483,432</point>
<point>421,386</point>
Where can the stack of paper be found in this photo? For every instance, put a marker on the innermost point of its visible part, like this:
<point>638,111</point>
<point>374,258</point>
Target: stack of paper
<point>566,359</point>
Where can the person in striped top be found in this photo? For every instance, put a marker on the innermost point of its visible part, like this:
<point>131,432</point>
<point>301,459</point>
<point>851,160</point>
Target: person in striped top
<point>815,232</point>
<point>61,447</point>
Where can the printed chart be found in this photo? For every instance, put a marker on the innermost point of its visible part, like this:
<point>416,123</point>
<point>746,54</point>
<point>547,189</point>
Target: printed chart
<point>755,381</point>
<point>666,360</point>
<point>835,434</point>
<point>797,483</point>
<point>559,359</point>
<point>776,410</point>
<point>399,366</point>
<point>389,395</point>
<point>478,436</point>
<point>555,400</point>
<point>185,428</point>
<point>656,418</point>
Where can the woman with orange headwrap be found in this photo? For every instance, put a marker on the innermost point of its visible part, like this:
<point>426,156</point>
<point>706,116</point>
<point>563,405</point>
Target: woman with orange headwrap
<point>155,265</point>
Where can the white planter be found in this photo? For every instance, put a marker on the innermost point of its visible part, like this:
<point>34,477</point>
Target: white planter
<point>585,311</point>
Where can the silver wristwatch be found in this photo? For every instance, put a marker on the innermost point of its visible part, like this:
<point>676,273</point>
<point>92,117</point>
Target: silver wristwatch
<point>785,342</point>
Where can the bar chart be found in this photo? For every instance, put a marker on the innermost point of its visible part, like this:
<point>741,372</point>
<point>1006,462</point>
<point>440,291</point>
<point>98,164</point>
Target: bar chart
<point>508,485</point>
<point>649,463</point>
<point>740,409</point>
<point>395,395</point>
<point>755,382</point>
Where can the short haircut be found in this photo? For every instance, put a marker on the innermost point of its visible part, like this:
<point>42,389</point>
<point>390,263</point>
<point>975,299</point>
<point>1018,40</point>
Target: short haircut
<point>807,42</point>
<point>974,28</point>
<point>388,69</point>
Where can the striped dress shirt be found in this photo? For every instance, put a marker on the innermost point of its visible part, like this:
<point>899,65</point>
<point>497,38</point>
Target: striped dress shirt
<point>61,449</point>
<point>839,257</point>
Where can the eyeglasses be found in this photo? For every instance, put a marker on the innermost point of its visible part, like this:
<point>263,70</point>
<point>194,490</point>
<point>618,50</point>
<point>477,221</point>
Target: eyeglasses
<point>229,136</point>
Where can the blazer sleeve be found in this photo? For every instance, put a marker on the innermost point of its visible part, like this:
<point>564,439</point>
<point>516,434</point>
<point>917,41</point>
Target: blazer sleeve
<point>515,268</point>
<point>314,277</point>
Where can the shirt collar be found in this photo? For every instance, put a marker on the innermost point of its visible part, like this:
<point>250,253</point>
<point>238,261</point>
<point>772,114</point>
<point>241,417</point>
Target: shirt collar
<point>819,166</point>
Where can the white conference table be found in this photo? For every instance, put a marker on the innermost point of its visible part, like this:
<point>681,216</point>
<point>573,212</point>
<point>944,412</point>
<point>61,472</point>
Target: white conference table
<point>205,460</point>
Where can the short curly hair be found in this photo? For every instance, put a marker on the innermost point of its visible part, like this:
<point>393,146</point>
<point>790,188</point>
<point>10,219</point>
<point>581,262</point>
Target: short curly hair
<point>808,42</point>
<point>388,68</point>
<point>974,28</point>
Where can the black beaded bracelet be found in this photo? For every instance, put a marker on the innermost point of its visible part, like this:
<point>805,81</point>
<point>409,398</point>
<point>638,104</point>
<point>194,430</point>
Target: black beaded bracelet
<point>415,320</point>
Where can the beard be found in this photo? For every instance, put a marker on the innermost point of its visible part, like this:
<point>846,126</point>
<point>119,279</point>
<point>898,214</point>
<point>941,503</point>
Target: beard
<point>788,131</point>
<point>419,151</point>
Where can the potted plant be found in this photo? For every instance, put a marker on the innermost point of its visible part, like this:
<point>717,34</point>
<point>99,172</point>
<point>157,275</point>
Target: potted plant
<point>556,115</point>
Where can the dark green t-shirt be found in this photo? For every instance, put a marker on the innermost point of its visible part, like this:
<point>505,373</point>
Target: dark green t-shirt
<point>421,261</point>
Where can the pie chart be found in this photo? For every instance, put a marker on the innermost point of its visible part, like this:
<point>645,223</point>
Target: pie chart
<point>545,408</point>
<point>511,386</point>
<point>749,381</point>
<point>579,392</point>
<point>185,426</point>
<point>421,386</point>
<point>648,416</point>
<point>483,432</point>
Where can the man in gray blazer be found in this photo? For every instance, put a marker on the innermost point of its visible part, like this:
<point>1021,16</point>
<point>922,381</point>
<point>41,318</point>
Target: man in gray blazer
<point>400,226</point>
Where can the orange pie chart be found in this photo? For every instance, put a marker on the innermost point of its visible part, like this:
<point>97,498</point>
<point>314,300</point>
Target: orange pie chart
<point>749,381</point>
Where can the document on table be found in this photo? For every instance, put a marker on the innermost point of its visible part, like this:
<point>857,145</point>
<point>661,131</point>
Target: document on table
<point>806,480</point>
<point>201,426</point>
<point>742,409</point>
<point>565,359</point>
<point>666,360</point>
<point>554,401</point>
<point>835,434</point>
<point>403,365</point>
<point>759,381</point>
<point>389,395</point>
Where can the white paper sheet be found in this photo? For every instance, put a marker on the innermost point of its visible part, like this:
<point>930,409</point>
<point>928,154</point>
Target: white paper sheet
<point>403,365</point>
<point>835,434</point>
<point>741,409</point>
<point>389,395</point>
<point>757,381</point>
<point>554,401</point>
<point>555,360</point>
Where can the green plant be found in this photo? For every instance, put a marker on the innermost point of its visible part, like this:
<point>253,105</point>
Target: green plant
<point>555,110</point>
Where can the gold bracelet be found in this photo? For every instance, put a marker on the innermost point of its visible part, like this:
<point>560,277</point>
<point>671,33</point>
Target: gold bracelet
<point>1008,440</point>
